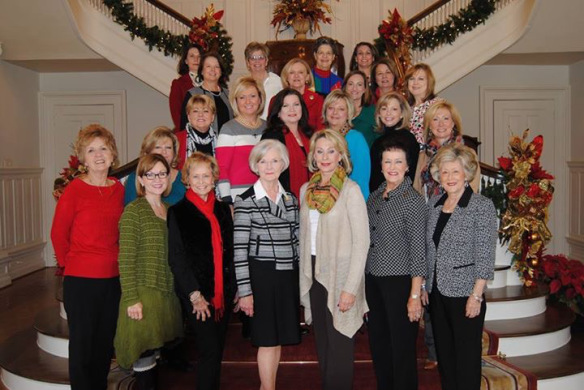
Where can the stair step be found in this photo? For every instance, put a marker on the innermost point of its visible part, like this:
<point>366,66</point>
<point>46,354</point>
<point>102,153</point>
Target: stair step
<point>500,278</point>
<point>561,368</point>
<point>511,302</point>
<point>23,362</point>
<point>50,323</point>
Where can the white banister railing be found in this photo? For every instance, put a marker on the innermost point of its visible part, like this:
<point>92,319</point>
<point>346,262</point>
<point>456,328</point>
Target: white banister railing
<point>441,15</point>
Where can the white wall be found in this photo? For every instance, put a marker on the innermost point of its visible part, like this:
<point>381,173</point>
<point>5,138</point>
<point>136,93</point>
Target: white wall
<point>465,92</point>
<point>146,107</point>
<point>19,127</point>
<point>577,85</point>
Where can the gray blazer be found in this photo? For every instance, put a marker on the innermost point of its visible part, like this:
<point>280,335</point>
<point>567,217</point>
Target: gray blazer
<point>466,251</point>
<point>224,95</point>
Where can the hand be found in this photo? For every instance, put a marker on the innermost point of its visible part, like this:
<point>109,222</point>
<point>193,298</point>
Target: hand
<point>346,301</point>
<point>473,307</point>
<point>135,311</point>
<point>414,309</point>
<point>236,306</point>
<point>246,304</point>
<point>201,309</point>
<point>425,298</point>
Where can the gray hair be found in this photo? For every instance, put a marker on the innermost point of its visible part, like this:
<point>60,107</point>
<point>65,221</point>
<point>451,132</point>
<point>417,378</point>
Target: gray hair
<point>455,152</point>
<point>261,149</point>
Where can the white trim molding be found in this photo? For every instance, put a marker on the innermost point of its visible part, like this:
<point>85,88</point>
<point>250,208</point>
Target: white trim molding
<point>21,223</point>
<point>576,202</point>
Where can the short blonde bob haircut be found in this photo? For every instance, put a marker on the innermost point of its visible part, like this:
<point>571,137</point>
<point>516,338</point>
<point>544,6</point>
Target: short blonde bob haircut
<point>88,134</point>
<point>340,145</point>
<point>155,135</point>
<point>431,113</point>
<point>335,96</point>
<point>455,152</point>
<point>145,164</point>
<point>201,100</point>
<point>430,94</point>
<point>261,149</point>
<point>199,158</point>
<point>241,85</point>
<point>403,105</point>
<point>286,72</point>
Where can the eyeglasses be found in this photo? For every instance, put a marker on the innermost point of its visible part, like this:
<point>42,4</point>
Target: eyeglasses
<point>257,58</point>
<point>152,175</point>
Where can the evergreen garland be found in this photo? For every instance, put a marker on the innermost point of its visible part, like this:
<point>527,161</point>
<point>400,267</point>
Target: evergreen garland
<point>164,41</point>
<point>477,12</point>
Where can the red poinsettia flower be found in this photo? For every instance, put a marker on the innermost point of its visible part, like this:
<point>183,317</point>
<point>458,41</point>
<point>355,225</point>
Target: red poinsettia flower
<point>550,268</point>
<point>505,163</point>
<point>537,172</point>
<point>537,145</point>
<point>517,192</point>
<point>555,286</point>
<point>570,293</point>
<point>533,191</point>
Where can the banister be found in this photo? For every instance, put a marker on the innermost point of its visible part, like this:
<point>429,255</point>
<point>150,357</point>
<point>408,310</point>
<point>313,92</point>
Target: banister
<point>427,11</point>
<point>125,170</point>
<point>171,11</point>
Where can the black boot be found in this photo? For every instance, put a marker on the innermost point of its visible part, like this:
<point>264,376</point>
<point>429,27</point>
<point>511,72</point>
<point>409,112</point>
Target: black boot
<point>147,380</point>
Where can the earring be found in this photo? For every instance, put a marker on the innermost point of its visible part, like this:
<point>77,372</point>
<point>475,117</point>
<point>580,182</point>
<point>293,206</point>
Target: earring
<point>466,183</point>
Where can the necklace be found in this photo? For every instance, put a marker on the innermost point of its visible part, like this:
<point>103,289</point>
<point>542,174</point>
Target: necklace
<point>250,125</point>
<point>104,184</point>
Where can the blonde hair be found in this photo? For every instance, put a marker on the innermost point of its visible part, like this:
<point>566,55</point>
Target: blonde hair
<point>199,158</point>
<point>202,100</point>
<point>259,151</point>
<point>431,112</point>
<point>455,152</point>
<point>403,105</point>
<point>88,134</point>
<point>156,135</point>
<point>241,85</point>
<point>335,96</point>
<point>286,72</point>
<point>340,145</point>
<point>146,163</point>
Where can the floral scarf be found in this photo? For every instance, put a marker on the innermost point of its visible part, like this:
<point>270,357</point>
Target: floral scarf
<point>323,198</point>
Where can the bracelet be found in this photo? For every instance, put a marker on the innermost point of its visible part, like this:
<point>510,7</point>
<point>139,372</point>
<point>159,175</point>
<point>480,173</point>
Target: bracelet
<point>195,296</point>
<point>477,297</point>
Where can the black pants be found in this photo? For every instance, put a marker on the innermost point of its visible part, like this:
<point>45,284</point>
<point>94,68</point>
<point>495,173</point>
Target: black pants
<point>392,337</point>
<point>210,340</point>
<point>335,351</point>
<point>92,314</point>
<point>458,341</point>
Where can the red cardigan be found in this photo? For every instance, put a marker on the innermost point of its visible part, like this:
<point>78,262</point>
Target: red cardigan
<point>85,230</point>
<point>178,91</point>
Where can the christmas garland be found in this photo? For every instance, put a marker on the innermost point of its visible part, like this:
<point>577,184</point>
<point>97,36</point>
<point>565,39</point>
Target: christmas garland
<point>477,12</point>
<point>206,29</point>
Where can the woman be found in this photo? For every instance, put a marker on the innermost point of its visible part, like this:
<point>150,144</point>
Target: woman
<point>296,74</point>
<point>364,55</point>
<point>85,238</point>
<point>384,78</point>
<point>200,254</point>
<point>187,69</point>
<point>149,314</point>
<point>199,134</point>
<point>256,59</point>
<point>355,84</point>
<point>420,95</point>
<point>461,236</point>
<point>442,126</point>
<point>266,259</point>
<point>325,54</point>
<point>333,253</point>
<point>213,83</point>
<point>337,111</point>
<point>393,116</point>
<point>288,123</point>
<point>160,140</point>
<point>396,266</point>
<point>238,137</point>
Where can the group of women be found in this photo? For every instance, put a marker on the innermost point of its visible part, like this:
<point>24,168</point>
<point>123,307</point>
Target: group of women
<point>233,212</point>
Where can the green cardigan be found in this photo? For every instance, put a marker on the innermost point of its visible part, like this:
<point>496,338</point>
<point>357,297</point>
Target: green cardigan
<point>364,123</point>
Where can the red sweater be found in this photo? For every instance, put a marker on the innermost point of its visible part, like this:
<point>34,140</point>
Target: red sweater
<point>85,230</point>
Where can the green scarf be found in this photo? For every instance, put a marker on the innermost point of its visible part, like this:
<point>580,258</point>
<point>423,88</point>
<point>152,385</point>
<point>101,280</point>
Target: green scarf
<point>323,198</point>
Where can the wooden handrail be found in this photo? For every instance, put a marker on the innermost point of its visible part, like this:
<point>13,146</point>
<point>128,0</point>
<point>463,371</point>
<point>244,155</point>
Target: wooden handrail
<point>125,170</point>
<point>171,11</point>
<point>425,12</point>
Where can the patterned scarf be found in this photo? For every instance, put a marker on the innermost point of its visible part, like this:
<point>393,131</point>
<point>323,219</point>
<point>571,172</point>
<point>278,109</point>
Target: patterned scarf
<point>323,198</point>
<point>432,187</point>
<point>207,207</point>
<point>194,139</point>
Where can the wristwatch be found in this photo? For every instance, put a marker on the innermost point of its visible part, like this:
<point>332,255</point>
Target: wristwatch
<point>414,296</point>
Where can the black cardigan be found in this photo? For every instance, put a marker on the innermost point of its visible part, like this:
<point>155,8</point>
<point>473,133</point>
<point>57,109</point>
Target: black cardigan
<point>405,137</point>
<point>190,252</point>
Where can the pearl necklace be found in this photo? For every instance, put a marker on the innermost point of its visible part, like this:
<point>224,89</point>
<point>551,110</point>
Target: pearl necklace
<point>256,123</point>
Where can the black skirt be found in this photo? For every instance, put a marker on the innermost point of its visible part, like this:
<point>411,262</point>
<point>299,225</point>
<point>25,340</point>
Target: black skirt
<point>276,301</point>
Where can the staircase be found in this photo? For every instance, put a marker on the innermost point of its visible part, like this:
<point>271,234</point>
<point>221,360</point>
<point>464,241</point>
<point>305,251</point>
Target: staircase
<point>450,63</point>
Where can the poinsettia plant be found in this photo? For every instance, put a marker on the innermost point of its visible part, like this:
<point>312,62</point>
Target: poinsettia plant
<point>565,278</point>
<point>315,11</point>
<point>67,174</point>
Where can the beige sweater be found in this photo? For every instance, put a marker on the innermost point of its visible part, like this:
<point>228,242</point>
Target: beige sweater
<point>342,243</point>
